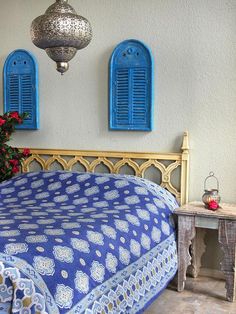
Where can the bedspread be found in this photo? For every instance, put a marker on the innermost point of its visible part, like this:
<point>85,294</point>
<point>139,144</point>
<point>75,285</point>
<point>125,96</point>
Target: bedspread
<point>84,243</point>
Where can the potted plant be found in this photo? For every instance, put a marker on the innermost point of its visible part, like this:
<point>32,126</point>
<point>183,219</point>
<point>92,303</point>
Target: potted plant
<point>10,157</point>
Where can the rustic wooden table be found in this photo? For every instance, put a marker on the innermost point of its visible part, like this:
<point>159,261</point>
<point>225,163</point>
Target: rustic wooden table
<point>194,215</point>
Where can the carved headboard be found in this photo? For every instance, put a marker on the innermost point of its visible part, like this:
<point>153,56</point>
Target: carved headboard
<point>173,168</point>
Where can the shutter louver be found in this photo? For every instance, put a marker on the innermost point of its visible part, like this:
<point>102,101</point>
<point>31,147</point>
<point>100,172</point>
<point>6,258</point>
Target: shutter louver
<point>139,97</point>
<point>131,76</point>
<point>122,97</point>
<point>27,97</point>
<point>21,87</point>
<point>13,92</point>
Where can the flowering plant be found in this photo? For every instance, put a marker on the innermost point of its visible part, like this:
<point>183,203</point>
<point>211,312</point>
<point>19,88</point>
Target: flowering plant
<point>10,157</point>
<point>213,205</point>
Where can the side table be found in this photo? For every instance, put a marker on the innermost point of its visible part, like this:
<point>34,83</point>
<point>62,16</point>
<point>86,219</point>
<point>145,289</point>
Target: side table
<point>194,215</point>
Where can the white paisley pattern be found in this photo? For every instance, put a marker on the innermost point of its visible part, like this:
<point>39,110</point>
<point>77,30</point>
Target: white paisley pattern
<point>95,237</point>
<point>63,253</point>
<point>145,241</point>
<point>133,219</point>
<point>97,271</point>
<point>44,265</point>
<point>64,296</point>
<point>122,225</point>
<point>111,262</point>
<point>135,248</point>
<point>80,245</point>
<point>16,248</point>
<point>124,256</point>
<point>82,282</point>
<point>109,231</point>
<point>156,234</point>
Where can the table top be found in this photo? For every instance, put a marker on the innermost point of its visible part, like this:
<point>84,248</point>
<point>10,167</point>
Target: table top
<point>226,210</point>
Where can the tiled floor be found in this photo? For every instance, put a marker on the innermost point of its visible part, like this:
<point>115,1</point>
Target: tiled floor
<point>202,295</point>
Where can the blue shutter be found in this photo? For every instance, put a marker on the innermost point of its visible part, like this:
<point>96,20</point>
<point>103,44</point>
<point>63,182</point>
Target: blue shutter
<point>131,81</point>
<point>121,108</point>
<point>140,99</point>
<point>21,87</point>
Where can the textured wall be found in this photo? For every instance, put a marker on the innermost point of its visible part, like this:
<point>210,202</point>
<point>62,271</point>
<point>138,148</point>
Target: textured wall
<point>194,48</point>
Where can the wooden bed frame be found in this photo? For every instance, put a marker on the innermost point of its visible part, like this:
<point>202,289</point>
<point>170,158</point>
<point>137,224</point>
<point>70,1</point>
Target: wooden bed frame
<point>114,162</point>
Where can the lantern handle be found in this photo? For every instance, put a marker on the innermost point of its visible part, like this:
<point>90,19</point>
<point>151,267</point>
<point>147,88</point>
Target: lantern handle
<point>211,175</point>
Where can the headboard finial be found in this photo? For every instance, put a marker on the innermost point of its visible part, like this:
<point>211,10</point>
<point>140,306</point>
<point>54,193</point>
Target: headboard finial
<point>185,144</point>
<point>185,169</point>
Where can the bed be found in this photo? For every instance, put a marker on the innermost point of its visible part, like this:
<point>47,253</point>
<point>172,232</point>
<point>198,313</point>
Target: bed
<point>89,242</point>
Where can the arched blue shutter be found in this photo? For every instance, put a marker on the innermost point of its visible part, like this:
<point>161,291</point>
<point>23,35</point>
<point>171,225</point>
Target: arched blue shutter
<point>131,87</point>
<point>21,87</point>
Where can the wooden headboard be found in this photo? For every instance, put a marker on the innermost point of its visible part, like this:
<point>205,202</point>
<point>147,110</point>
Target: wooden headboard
<point>172,167</point>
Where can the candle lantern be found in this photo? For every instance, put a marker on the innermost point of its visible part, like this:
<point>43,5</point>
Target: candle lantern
<point>211,194</point>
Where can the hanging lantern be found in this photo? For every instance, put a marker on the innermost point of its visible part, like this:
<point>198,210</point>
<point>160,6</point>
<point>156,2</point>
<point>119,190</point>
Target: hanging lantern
<point>61,32</point>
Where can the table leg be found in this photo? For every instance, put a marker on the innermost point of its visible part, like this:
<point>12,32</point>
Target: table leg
<point>186,232</point>
<point>197,249</point>
<point>227,240</point>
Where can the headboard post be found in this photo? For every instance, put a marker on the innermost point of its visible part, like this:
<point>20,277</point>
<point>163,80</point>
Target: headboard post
<point>185,169</point>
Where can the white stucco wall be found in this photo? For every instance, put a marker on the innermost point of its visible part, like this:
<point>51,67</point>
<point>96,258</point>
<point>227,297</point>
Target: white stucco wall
<point>194,48</point>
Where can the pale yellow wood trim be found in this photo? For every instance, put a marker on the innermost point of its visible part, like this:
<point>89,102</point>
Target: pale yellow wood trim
<point>185,169</point>
<point>68,158</point>
<point>110,154</point>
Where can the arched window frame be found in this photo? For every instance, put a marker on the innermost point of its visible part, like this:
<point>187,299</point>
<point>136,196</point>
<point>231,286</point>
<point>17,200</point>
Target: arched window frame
<point>131,87</point>
<point>20,85</point>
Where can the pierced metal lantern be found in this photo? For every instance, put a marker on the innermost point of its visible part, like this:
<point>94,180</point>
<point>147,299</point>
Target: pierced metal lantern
<point>61,32</point>
<point>211,194</point>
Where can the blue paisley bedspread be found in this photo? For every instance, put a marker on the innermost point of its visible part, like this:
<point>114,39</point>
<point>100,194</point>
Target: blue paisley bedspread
<point>84,243</point>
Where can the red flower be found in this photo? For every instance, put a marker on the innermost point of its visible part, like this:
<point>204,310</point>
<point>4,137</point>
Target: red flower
<point>213,205</point>
<point>15,115</point>
<point>10,157</point>
<point>26,152</point>
<point>15,169</point>
<point>13,162</point>
<point>2,121</point>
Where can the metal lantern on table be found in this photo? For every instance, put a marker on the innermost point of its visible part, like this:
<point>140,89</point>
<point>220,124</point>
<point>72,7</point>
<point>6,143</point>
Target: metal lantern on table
<point>211,194</point>
<point>61,32</point>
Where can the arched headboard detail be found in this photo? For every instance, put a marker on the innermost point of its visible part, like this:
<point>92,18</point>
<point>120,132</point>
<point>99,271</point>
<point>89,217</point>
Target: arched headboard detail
<point>114,162</point>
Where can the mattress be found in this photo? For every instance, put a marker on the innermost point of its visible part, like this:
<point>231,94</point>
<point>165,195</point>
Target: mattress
<point>84,243</point>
